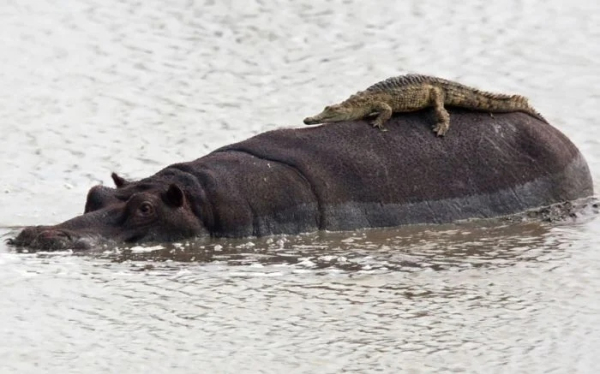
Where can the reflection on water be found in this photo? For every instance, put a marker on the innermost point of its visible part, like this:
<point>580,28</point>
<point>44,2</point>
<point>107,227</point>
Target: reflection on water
<point>381,250</point>
<point>91,87</point>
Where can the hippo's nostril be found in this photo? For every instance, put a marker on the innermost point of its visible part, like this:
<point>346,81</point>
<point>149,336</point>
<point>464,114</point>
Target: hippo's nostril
<point>62,234</point>
<point>54,234</point>
<point>46,234</point>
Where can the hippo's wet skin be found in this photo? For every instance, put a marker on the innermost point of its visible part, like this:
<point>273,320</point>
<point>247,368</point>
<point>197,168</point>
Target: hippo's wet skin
<point>340,176</point>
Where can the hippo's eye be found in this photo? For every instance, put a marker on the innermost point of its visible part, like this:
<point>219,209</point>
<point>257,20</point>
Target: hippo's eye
<point>145,209</point>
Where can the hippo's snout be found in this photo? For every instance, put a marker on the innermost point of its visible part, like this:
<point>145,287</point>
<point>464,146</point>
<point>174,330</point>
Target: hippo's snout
<point>49,239</point>
<point>26,236</point>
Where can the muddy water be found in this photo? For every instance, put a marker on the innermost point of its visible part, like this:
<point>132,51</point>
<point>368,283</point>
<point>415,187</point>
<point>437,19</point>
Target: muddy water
<point>89,87</point>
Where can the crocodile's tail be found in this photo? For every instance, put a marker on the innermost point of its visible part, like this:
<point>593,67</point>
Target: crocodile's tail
<point>521,104</point>
<point>497,103</point>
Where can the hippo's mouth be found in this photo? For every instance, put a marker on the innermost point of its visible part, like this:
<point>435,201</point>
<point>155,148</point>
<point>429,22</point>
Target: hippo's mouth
<point>50,239</point>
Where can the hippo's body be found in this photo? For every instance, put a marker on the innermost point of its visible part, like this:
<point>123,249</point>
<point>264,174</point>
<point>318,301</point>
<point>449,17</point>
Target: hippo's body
<point>341,176</point>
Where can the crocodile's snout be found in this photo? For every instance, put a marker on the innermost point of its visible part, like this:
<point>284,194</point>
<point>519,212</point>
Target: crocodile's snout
<point>310,121</point>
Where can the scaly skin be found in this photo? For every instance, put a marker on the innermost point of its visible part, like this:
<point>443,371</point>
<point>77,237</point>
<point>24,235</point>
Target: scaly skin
<point>409,93</point>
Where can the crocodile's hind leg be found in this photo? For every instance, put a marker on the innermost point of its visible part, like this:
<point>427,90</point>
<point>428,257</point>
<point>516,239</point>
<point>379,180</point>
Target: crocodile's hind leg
<point>441,114</point>
<point>384,112</point>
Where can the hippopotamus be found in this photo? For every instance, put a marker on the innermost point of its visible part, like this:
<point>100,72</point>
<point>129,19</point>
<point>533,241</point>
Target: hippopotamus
<point>342,176</point>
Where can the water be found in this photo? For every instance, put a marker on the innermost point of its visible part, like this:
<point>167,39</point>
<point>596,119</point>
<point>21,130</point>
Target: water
<point>90,87</point>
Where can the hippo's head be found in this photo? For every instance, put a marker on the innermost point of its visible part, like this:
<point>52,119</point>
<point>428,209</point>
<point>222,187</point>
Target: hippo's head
<point>143,213</point>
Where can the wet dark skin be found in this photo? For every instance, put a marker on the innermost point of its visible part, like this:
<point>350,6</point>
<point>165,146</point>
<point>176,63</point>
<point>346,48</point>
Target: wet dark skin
<point>152,215</point>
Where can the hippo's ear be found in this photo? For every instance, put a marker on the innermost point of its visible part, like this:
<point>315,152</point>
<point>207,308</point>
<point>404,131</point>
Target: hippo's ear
<point>174,196</point>
<point>119,181</point>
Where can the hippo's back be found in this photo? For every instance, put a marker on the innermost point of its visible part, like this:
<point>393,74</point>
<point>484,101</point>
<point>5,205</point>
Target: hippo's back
<point>484,167</point>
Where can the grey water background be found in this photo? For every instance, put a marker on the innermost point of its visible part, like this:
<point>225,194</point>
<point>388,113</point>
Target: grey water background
<point>88,87</point>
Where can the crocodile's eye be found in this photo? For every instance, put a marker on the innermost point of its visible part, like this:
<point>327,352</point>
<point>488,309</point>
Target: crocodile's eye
<point>327,108</point>
<point>146,209</point>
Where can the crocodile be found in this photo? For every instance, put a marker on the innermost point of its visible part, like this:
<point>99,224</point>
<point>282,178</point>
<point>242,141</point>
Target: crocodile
<point>414,92</point>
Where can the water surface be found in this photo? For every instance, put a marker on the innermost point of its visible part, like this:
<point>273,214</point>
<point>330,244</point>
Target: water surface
<point>90,87</point>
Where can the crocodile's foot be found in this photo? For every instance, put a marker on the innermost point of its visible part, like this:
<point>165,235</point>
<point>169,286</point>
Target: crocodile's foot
<point>441,128</point>
<point>378,125</point>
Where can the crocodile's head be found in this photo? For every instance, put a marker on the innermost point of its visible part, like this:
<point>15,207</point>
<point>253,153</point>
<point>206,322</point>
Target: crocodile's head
<point>334,113</point>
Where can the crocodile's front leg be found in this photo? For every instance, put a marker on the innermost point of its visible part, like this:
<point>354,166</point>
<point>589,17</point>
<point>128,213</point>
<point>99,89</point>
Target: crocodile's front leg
<point>441,114</point>
<point>384,112</point>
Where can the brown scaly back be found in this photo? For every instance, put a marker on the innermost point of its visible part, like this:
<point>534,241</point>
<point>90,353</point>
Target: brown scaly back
<point>401,81</point>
